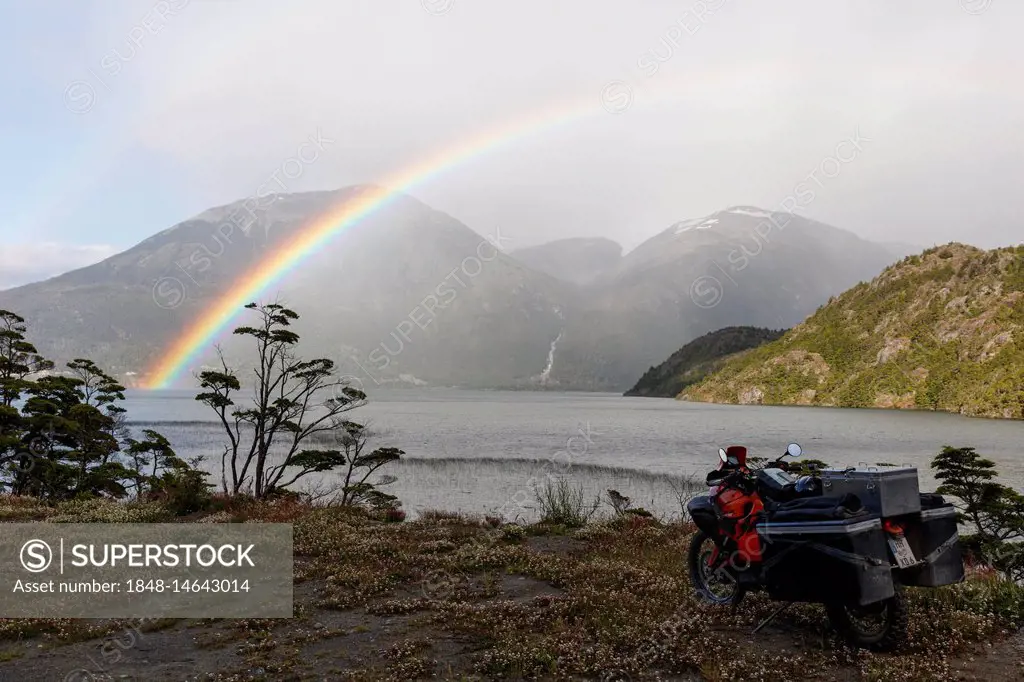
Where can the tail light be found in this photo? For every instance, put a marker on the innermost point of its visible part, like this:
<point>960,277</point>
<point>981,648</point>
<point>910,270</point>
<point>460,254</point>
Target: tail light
<point>893,528</point>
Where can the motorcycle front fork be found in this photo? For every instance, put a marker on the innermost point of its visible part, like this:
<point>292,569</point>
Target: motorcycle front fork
<point>719,562</point>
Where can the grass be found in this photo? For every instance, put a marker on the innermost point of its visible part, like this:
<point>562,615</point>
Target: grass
<point>563,504</point>
<point>604,600</point>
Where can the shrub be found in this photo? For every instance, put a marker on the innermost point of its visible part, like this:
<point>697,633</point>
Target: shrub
<point>183,490</point>
<point>513,533</point>
<point>562,504</point>
<point>17,509</point>
<point>621,505</point>
<point>808,467</point>
<point>99,510</point>
<point>639,512</point>
<point>441,516</point>
<point>685,489</point>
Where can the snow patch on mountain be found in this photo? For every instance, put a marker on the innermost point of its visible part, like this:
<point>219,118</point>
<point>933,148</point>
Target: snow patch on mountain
<point>694,224</point>
<point>750,211</point>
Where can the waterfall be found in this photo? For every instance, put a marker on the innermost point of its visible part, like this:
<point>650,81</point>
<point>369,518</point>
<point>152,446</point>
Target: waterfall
<point>546,374</point>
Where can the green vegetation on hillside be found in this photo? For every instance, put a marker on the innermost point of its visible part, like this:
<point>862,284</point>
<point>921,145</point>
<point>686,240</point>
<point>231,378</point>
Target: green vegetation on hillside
<point>699,358</point>
<point>940,330</point>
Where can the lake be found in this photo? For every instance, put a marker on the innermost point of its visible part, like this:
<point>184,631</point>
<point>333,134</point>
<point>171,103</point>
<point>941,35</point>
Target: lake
<point>481,451</point>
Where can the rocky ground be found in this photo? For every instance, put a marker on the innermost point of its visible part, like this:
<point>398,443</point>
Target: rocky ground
<point>451,597</point>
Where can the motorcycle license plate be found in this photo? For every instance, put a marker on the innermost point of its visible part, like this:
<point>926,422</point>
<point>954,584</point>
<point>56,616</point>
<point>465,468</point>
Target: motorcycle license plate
<point>901,550</point>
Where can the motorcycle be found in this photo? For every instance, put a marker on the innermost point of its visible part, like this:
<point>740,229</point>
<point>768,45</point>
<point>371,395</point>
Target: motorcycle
<point>733,551</point>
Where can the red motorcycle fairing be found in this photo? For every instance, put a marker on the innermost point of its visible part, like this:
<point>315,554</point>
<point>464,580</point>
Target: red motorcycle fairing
<point>739,512</point>
<point>737,456</point>
<point>728,514</point>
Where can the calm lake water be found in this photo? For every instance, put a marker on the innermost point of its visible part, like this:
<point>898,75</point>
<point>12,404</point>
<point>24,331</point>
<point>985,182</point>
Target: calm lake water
<point>482,451</point>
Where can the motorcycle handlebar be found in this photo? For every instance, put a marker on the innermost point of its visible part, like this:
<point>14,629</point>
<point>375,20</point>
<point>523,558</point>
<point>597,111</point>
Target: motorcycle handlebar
<point>739,478</point>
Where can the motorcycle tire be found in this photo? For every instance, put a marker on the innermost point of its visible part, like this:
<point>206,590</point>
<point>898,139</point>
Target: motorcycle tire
<point>888,632</point>
<point>724,590</point>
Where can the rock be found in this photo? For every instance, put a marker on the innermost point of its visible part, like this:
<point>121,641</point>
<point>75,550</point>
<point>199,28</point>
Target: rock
<point>752,396</point>
<point>892,348</point>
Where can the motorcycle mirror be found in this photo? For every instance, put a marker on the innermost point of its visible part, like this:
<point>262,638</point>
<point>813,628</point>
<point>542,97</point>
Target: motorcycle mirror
<point>794,450</point>
<point>722,456</point>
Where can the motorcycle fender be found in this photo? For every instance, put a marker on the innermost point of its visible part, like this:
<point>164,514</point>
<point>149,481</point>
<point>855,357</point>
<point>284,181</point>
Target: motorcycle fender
<point>702,511</point>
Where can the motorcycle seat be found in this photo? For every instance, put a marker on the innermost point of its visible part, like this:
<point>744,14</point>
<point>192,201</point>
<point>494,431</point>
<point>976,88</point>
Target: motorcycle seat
<point>779,485</point>
<point>818,508</point>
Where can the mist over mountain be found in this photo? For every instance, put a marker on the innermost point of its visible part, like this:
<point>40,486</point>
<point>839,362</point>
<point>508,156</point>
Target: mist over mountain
<point>742,266</point>
<point>410,295</point>
<point>577,260</point>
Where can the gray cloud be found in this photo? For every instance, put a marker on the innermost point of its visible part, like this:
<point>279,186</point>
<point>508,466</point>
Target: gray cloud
<point>746,99</point>
<point>31,262</point>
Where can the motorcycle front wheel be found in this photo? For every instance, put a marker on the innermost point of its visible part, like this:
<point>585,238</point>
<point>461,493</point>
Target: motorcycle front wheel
<point>881,626</point>
<point>714,585</point>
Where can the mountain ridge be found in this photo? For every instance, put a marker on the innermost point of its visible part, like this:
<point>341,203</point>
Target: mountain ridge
<point>939,331</point>
<point>580,260</point>
<point>590,319</point>
<point>699,358</point>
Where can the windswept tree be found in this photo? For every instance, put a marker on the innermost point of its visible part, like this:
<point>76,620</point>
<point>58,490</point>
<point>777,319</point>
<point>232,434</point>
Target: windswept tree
<point>103,392</point>
<point>149,459</point>
<point>19,364</point>
<point>159,474</point>
<point>994,511</point>
<point>19,359</point>
<point>294,403</point>
<point>360,464</point>
<point>72,423</point>
<point>61,435</point>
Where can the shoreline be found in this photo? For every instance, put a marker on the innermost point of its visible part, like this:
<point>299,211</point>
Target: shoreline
<point>911,410</point>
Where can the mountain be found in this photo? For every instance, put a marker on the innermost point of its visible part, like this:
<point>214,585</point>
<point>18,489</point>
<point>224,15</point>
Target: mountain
<point>943,330</point>
<point>407,294</point>
<point>699,358</point>
<point>410,295</point>
<point>739,266</point>
<point>578,260</point>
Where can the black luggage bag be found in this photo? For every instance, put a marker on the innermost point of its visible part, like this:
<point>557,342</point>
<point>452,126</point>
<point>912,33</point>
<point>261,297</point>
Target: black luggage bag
<point>933,537</point>
<point>884,491</point>
<point>844,561</point>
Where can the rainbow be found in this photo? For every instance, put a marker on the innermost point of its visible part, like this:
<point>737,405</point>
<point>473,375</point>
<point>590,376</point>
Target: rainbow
<point>198,336</point>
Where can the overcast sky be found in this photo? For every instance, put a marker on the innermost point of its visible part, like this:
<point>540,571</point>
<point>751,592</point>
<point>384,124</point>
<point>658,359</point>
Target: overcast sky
<point>121,118</point>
